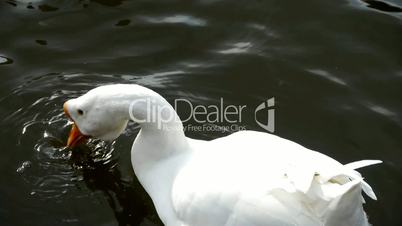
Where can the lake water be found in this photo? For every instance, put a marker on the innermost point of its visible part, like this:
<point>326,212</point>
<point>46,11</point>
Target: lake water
<point>333,67</point>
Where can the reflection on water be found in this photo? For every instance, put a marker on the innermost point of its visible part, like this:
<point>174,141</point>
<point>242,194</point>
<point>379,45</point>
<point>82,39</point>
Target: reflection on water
<point>237,48</point>
<point>5,60</point>
<point>328,76</point>
<point>175,19</point>
<point>333,68</point>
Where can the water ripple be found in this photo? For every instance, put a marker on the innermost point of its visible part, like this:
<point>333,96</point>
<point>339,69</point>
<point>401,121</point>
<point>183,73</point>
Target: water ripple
<point>328,76</point>
<point>382,111</point>
<point>51,169</point>
<point>390,7</point>
<point>175,19</point>
<point>237,48</point>
<point>5,60</point>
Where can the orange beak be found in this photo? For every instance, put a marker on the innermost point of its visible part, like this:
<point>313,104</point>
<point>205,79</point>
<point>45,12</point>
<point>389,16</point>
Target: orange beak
<point>75,137</point>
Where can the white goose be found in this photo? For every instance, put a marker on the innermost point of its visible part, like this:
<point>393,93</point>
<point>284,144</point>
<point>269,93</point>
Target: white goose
<point>245,179</point>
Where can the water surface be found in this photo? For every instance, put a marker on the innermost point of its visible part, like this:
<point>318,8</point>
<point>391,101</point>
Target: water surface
<point>334,68</point>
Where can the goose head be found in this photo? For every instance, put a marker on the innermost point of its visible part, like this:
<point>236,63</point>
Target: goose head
<point>95,114</point>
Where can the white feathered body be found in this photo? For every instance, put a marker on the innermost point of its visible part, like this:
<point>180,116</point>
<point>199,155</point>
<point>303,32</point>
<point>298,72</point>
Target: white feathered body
<point>255,179</point>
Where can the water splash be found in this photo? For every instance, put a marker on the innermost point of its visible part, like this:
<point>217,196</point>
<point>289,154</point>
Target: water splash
<point>24,166</point>
<point>52,170</point>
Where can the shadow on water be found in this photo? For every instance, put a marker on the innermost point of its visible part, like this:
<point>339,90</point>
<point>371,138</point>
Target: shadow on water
<point>124,196</point>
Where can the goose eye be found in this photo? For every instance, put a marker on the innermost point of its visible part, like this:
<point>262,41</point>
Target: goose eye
<point>80,112</point>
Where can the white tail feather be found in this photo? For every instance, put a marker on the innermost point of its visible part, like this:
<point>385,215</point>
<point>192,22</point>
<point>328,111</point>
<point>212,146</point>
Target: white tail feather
<point>368,190</point>
<point>362,163</point>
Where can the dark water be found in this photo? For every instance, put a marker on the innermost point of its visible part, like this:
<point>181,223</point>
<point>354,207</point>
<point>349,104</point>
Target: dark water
<point>334,68</point>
